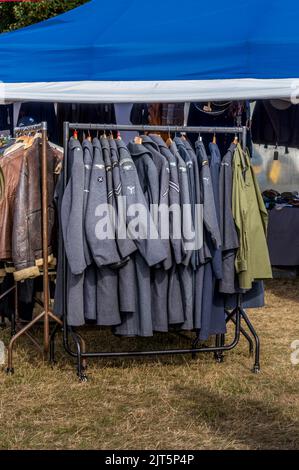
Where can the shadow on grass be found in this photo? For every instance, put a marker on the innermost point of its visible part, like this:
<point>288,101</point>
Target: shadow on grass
<point>256,424</point>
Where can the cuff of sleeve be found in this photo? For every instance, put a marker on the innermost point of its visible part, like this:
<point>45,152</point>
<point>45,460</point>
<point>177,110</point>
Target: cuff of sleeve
<point>26,273</point>
<point>2,273</point>
<point>241,265</point>
<point>10,269</point>
<point>39,262</point>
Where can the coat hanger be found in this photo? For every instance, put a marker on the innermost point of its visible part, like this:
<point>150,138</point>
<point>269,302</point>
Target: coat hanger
<point>236,139</point>
<point>138,140</point>
<point>214,139</point>
<point>23,138</point>
<point>30,139</point>
<point>75,134</point>
<point>169,140</point>
<point>118,136</point>
<point>89,136</point>
<point>199,137</point>
<point>12,148</point>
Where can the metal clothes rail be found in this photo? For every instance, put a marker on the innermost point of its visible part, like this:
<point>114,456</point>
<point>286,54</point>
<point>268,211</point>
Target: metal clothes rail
<point>46,314</point>
<point>236,315</point>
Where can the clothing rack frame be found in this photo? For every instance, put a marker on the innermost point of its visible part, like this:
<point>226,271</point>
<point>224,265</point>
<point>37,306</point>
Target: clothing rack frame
<point>236,315</point>
<point>46,315</point>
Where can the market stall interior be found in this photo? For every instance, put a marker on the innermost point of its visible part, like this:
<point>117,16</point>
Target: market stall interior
<point>234,314</point>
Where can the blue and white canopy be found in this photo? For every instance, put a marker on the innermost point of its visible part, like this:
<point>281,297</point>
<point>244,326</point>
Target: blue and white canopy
<point>156,50</point>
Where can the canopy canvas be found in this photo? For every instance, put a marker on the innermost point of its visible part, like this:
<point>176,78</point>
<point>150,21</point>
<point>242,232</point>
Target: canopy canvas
<point>132,51</point>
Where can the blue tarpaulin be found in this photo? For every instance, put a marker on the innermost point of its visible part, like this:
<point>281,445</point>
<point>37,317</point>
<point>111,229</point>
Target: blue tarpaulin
<point>238,46</point>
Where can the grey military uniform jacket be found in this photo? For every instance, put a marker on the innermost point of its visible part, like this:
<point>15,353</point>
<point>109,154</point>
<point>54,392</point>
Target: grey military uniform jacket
<point>209,209</point>
<point>104,249</point>
<point>187,223</point>
<point>174,199</point>
<point>72,210</point>
<point>162,166</point>
<point>151,251</point>
<point>72,225</point>
<point>126,246</point>
<point>198,210</point>
<point>230,242</point>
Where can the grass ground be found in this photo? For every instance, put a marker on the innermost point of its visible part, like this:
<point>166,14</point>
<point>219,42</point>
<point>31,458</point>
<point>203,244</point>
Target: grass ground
<point>171,403</point>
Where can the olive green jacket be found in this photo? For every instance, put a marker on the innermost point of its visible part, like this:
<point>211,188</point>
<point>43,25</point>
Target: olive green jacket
<point>251,219</point>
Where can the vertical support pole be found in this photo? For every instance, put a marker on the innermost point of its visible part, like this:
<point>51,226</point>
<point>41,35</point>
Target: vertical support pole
<point>44,167</point>
<point>15,314</point>
<point>244,137</point>
<point>66,132</point>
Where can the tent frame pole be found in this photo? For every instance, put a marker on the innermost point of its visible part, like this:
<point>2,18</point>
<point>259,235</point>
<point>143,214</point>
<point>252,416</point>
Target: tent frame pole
<point>237,314</point>
<point>46,314</point>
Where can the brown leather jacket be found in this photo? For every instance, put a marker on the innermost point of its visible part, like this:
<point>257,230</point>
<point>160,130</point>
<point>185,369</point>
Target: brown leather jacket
<point>27,223</point>
<point>10,166</point>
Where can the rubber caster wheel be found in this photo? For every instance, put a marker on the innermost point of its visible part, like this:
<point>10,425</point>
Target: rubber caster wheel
<point>256,369</point>
<point>219,358</point>
<point>83,378</point>
<point>10,371</point>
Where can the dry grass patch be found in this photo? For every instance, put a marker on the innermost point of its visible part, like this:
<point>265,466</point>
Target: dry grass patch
<point>173,402</point>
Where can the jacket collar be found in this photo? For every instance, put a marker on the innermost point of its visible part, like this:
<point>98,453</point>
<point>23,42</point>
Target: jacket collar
<point>179,143</point>
<point>187,144</point>
<point>148,140</point>
<point>123,150</point>
<point>105,143</point>
<point>232,147</point>
<point>86,144</point>
<point>173,147</point>
<point>74,143</point>
<point>112,144</point>
<point>121,144</point>
<point>137,150</point>
<point>158,140</point>
<point>96,143</point>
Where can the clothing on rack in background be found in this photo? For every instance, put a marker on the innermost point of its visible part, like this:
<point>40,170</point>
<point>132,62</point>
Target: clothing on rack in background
<point>214,114</point>
<point>38,112</point>
<point>6,118</point>
<point>122,117</point>
<point>158,114</point>
<point>20,205</point>
<point>142,284</point>
<point>84,112</point>
<point>275,122</point>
